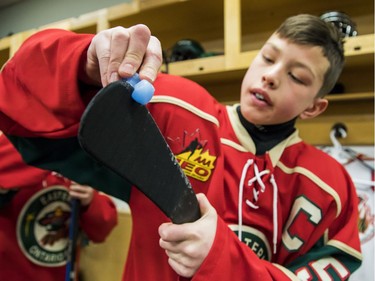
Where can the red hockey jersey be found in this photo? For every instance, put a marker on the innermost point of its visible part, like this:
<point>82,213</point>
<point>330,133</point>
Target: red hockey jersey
<point>34,223</point>
<point>287,215</point>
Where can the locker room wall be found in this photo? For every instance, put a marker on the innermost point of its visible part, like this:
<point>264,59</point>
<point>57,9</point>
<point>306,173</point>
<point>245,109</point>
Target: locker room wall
<point>28,14</point>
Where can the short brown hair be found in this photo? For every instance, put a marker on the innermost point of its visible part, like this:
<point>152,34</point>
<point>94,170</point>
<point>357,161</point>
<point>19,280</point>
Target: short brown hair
<point>307,29</point>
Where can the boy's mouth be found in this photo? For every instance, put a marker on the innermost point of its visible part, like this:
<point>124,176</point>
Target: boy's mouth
<point>260,97</point>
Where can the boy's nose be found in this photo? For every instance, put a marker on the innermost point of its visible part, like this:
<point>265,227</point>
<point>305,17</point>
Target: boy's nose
<point>269,80</point>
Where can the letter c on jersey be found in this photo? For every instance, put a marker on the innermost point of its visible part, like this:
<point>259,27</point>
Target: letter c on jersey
<point>301,206</point>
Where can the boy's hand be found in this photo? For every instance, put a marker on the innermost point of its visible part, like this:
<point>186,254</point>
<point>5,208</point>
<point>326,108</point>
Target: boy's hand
<point>119,52</point>
<point>187,245</point>
<point>82,192</point>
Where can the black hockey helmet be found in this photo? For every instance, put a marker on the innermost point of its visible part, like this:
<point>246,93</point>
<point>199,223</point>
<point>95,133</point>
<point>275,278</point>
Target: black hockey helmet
<point>342,21</point>
<point>186,49</point>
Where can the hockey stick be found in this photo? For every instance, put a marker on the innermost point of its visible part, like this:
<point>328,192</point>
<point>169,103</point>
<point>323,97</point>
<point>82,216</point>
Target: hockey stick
<point>71,271</point>
<point>121,134</point>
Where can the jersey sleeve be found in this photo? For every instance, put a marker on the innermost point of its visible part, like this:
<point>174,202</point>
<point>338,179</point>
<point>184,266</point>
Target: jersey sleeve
<point>98,220</point>
<point>337,254</point>
<point>42,98</point>
<point>40,89</point>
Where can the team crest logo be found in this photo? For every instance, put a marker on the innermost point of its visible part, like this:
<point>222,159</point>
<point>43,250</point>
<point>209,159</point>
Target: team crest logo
<point>255,240</point>
<point>195,161</point>
<point>43,227</point>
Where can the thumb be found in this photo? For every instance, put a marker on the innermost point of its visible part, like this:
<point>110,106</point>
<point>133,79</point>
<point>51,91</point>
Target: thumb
<point>204,204</point>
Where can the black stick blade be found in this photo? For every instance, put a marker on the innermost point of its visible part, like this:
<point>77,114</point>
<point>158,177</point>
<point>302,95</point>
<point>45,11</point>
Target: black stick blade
<point>122,135</point>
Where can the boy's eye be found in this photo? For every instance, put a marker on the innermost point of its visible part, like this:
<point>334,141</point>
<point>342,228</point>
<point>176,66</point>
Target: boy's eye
<point>267,59</point>
<point>296,79</point>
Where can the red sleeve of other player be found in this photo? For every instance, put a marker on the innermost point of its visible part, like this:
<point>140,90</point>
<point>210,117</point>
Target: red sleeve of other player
<point>51,108</point>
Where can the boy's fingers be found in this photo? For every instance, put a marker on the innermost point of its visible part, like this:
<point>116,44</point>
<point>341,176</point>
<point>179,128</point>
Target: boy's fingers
<point>119,44</point>
<point>173,232</point>
<point>136,50</point>
<point>152,61</point>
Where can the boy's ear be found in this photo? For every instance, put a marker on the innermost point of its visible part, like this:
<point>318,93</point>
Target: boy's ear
<point>318,107</point>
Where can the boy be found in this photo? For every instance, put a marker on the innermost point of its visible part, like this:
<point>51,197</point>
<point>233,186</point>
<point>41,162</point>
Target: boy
<point>287,201</point>
<point>277,208</point>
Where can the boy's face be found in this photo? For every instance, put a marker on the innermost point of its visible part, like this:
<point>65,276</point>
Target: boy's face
<point>282,83</point>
